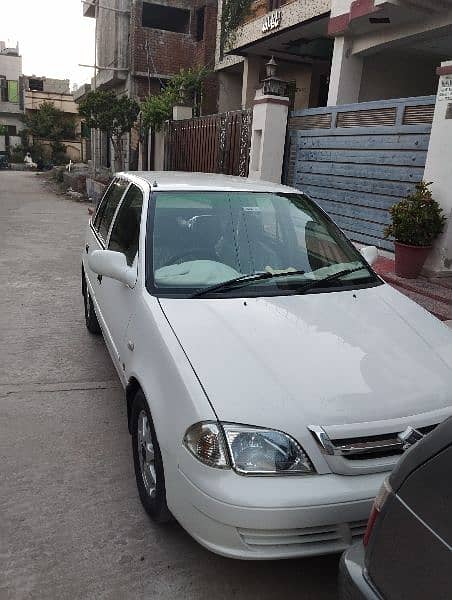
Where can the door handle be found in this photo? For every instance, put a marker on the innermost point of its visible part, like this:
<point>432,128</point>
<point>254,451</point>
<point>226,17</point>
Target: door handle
<point>87,248</point>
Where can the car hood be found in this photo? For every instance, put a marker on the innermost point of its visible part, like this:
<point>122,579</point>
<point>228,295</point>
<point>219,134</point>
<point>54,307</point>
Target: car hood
<point>328,359</point>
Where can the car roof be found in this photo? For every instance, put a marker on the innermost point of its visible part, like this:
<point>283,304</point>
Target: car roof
<point>186,181</point>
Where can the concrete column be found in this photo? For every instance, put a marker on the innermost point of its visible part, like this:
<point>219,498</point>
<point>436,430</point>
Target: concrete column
<point>438,170</point>
<point>250,81</point>
<point>346,73</point>
<point>180,113</point>
<point>268,137</point>
<point>159,150</point>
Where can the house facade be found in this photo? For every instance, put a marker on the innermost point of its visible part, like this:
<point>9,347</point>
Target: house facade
<point>336,51</point>
<point>295,32</point>
<point>11,99</point>
<point>140,45</point>
<point>387,49</point>
<point>37,90</point>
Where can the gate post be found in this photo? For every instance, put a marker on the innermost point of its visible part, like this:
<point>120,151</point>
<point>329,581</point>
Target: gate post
<point>268,133</point>
<point>268,137</point>
<point>438,170</point>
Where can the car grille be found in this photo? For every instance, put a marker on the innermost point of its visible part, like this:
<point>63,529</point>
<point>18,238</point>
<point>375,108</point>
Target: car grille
<point>378,446</point>
<point>330,538</point>
<point>364,448</point>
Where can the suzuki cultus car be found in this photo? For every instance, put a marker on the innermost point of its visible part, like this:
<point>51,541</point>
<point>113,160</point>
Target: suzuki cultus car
<point>268,371</point>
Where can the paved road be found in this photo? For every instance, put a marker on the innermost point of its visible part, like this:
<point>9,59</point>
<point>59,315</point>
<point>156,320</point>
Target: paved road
<point>71,525</point>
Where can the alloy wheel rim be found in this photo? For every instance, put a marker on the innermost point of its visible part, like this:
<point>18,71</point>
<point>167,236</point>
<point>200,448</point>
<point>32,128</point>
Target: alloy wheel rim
<point>146,453</point>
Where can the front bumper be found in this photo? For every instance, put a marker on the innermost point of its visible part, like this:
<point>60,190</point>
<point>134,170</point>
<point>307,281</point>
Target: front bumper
<point>353,584</point>
<point>270,517</point>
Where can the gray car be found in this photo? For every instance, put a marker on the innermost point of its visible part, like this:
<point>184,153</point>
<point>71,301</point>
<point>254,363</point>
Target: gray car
<point>407,549</point>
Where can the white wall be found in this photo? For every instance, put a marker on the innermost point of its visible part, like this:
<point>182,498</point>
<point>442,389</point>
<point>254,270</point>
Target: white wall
<point>11,67</point>
<point>390,75</point>
<point>438,170</point>
<point>230,91</point>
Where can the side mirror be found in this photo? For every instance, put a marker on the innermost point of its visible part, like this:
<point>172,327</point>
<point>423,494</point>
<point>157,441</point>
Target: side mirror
<point>370,254</point>
<point>112,264</point>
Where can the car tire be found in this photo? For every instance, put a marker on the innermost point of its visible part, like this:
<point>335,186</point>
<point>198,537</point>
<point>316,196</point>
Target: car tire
<point>92,324</point>
<point>147,459</point>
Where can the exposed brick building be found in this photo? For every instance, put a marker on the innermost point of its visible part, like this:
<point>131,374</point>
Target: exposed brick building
<point>141,44</point>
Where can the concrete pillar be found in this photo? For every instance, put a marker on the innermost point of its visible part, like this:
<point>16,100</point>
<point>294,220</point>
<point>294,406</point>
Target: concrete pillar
<point>268,137</point>
<point>250,80</point>
<point>180,113</point>
<point>438,170</point>
<point>346,73</point>
<point>159,150</point>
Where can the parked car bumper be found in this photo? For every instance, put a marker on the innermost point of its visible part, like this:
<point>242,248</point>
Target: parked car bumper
<point>353,584</point>
<point>272,517</point>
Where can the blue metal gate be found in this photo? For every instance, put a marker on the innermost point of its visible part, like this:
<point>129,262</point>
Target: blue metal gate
<point>357,160</point>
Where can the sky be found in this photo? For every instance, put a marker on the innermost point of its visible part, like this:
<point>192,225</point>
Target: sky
<point>53,35</point>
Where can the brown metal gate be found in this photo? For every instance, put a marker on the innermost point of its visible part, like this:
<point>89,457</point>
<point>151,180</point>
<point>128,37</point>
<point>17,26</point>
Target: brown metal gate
<point>212,144</point>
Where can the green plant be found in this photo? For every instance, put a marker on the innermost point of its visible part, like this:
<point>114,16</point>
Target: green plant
<point>59,156</point>
<point>158,108</point>
<point>112,114</point>
<point>417,220</point>
<point>49,123</point>
<point>16,154</point>
<point>233,13</point>
<point>58,174</point>
<point>3,129</point>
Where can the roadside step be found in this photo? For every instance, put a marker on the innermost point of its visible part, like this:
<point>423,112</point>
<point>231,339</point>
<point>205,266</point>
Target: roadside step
<point>434,295</point>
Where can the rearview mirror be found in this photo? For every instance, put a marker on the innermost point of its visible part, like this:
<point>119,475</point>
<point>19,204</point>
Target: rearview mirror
<point>112,264</point>
<point>370,254</point>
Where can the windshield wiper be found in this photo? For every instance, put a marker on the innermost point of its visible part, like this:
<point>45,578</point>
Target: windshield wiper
<point>319,282</point>
<point>243,280</point>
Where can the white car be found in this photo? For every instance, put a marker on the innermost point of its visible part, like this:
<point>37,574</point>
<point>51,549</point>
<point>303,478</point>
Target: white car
<point>269,372</point>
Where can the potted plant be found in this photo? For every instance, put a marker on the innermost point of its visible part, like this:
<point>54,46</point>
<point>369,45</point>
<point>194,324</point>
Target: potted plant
<point>416,222</point>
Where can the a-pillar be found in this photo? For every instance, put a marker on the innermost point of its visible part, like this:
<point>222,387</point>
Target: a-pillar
<point>438,169</point>
<point>346,73</point>
<point>268,137</point>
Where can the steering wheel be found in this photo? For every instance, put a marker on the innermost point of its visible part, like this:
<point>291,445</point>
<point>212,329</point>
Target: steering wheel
<point>194,253</point>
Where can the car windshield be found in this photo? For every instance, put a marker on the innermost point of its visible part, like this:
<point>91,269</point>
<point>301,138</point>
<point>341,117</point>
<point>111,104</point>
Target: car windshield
<point>201,240</point>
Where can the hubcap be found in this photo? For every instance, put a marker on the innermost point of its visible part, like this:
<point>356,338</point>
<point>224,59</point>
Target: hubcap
<point>146,453</point>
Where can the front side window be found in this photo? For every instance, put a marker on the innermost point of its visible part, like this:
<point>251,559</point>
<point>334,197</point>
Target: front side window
<point>108,206</point>
<point>202,239</point>
<point>125,232</point>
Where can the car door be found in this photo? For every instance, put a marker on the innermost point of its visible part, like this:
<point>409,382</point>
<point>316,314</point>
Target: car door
<point>117,300</point>
<point>97,234</point>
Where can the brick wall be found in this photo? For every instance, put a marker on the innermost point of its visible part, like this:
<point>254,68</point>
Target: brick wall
<point>172,51</point>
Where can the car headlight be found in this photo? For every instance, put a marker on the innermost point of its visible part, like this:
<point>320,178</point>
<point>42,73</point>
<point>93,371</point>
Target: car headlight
<point>206,442</point>
<point>249,450</point>
<point>256,451</point>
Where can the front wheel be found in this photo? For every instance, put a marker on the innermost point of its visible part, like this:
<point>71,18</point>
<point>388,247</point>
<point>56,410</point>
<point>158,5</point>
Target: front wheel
<point>148,462</point>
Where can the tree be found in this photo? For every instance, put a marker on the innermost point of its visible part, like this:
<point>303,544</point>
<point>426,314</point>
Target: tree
<point>111,114</point>
<point>49,123</point>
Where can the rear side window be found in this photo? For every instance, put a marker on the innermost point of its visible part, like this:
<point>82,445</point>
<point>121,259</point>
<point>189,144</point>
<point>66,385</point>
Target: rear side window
<point>125,232</point>
<point>108,207</point>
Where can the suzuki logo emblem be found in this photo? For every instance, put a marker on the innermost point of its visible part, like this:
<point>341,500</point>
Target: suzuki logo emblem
<point>409,437</point>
